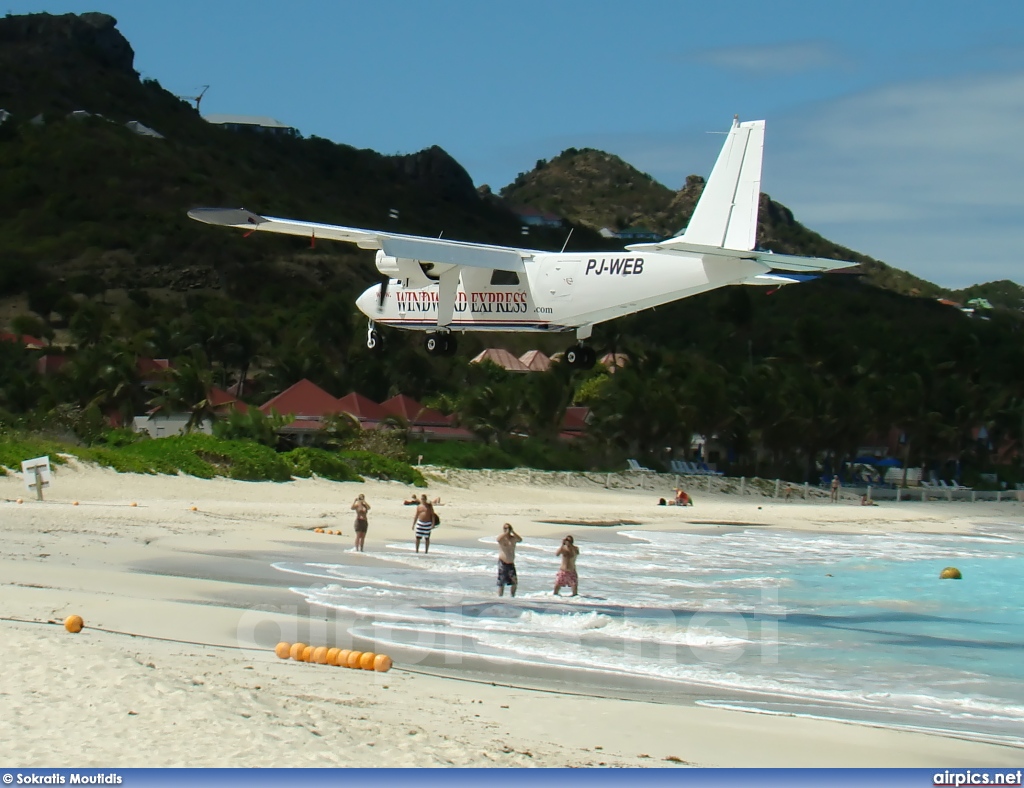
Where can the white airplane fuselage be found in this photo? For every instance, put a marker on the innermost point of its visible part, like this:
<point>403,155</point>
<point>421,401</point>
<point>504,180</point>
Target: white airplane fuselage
<point>558,292</point>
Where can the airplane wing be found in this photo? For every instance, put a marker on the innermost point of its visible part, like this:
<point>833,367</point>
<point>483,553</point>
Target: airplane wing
<point>778,262</point>
<point>427,250</point>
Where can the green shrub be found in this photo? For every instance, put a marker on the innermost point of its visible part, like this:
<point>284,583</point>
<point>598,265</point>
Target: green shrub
<point>460,454</point>
<point>123,437</point>
<point>15,448</point>
<point>306,461</point>
<point>368,464</point>
<point>547,455</point>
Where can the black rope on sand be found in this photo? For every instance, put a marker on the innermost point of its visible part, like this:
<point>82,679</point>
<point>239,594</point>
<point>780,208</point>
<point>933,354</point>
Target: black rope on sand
<point>411,671</point>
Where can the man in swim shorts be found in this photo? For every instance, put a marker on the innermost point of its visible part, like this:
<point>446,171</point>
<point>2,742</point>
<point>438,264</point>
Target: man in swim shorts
<point>423,523</point>
<point>507,559</point>
<point>567,571</point>
<point>361,508</point>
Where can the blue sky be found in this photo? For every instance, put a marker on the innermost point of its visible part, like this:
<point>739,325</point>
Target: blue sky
<point>894,128</point>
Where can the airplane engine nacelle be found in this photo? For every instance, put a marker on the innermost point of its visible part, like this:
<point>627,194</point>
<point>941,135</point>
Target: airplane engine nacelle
<point>413,273</point>
<point>388,265</point>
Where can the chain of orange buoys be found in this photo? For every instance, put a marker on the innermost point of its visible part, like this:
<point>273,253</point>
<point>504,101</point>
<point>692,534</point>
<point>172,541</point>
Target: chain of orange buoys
<point>300,652</point>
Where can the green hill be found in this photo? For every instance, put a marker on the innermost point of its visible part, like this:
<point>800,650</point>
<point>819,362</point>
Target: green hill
<point>94,239</point>
<point>600,190</point>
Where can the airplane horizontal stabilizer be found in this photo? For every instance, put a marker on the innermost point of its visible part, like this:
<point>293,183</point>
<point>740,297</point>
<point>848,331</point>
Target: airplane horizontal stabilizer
<point>780,262</point>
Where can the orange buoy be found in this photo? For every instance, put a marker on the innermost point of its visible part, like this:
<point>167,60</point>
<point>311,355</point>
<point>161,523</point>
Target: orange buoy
<point>19,501</point>
<point>366,661</point>
<point>193,508</point>
<point>73,623</point>
<point>342,659</point>
<point>318,530</point>
<point>950,573</point>
<point>133,503</point>
<point>283,650</point>
<point>74,503</point>
<point>353,659</point>
<point>382,664</point>
<point>307,653</point>
<point>319,655</point>
<point>296,652</point>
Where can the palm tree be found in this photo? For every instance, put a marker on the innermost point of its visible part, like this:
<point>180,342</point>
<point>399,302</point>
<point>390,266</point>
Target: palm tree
<point>187,389</point>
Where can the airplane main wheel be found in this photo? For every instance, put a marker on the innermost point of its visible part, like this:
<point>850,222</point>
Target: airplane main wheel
<point>436,344</point>
<point>580,357</point>
<point>450,345</point>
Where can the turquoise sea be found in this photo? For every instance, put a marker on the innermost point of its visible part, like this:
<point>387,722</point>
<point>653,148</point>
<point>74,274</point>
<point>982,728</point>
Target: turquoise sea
<point>842,626</point>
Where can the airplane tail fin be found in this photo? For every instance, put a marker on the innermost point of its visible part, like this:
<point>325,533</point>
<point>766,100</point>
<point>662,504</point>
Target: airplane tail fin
<point>726,214</point>
<point>724,223</point>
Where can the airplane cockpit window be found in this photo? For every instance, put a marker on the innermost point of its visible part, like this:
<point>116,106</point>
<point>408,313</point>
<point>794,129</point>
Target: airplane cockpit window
<point>504,277</point>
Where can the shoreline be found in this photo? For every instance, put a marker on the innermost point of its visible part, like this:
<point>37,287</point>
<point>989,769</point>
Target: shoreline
<point>162,570</point>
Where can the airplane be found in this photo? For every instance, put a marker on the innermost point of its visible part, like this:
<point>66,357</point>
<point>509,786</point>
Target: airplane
<point>443,286</point>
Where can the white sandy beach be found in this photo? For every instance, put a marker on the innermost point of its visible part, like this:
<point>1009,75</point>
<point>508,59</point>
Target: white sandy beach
<point>174,667</point>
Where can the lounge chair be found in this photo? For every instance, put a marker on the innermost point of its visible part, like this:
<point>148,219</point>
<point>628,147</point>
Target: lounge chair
<point>710,471</point>
<point>635,466</point>
<point>678,466</point>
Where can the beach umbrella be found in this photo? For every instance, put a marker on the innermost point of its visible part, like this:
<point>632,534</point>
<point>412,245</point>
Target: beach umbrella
<point>889,462</point>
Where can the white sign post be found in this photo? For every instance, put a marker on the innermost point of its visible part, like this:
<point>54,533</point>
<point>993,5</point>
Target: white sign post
<point>36,473</point>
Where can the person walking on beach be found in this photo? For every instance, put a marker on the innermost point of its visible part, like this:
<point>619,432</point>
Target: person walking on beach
<point>507,559</point>
<point>361,508</point>
<point>423,523</point>
<point>567,571</point>
<point>835,490</point>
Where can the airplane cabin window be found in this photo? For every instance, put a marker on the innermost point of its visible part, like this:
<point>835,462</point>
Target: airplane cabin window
<point>504,277</point>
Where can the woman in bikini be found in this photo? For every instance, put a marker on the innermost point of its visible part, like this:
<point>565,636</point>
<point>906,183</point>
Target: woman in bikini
<point>361,508</point>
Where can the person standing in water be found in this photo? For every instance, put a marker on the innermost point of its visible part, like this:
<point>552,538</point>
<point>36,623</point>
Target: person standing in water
<point>423,523</point>
<point>567,571</point>
<point>507,559</point>
<point>362,509</point>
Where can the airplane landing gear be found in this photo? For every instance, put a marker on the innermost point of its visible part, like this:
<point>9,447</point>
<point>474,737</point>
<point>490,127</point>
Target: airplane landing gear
<point>581,357</point>
<point>373,339</point>
<point>438,344</point>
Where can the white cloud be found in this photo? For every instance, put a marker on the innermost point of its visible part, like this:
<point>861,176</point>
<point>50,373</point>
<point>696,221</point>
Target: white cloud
<point>771,60</point>
<point>925,176</point>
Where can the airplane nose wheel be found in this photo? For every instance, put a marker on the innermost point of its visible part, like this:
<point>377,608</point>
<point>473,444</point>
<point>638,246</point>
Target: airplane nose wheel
<point>581,357</point>
<point>437,344</point>
<point>373,340</point>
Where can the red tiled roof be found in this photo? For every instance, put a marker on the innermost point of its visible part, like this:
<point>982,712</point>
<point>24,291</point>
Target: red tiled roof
<point>575,419</point>
<point>447,433</point>
<point>48,365</point>
<point>614,360</point>
<point>361,407</point>
<point>24,339</point>
<point>535,361</point>
<point>502,358</point>
<point>152,364</point>
<point>413,412</point>
<point>303,399</point>
<point>222,400</point>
